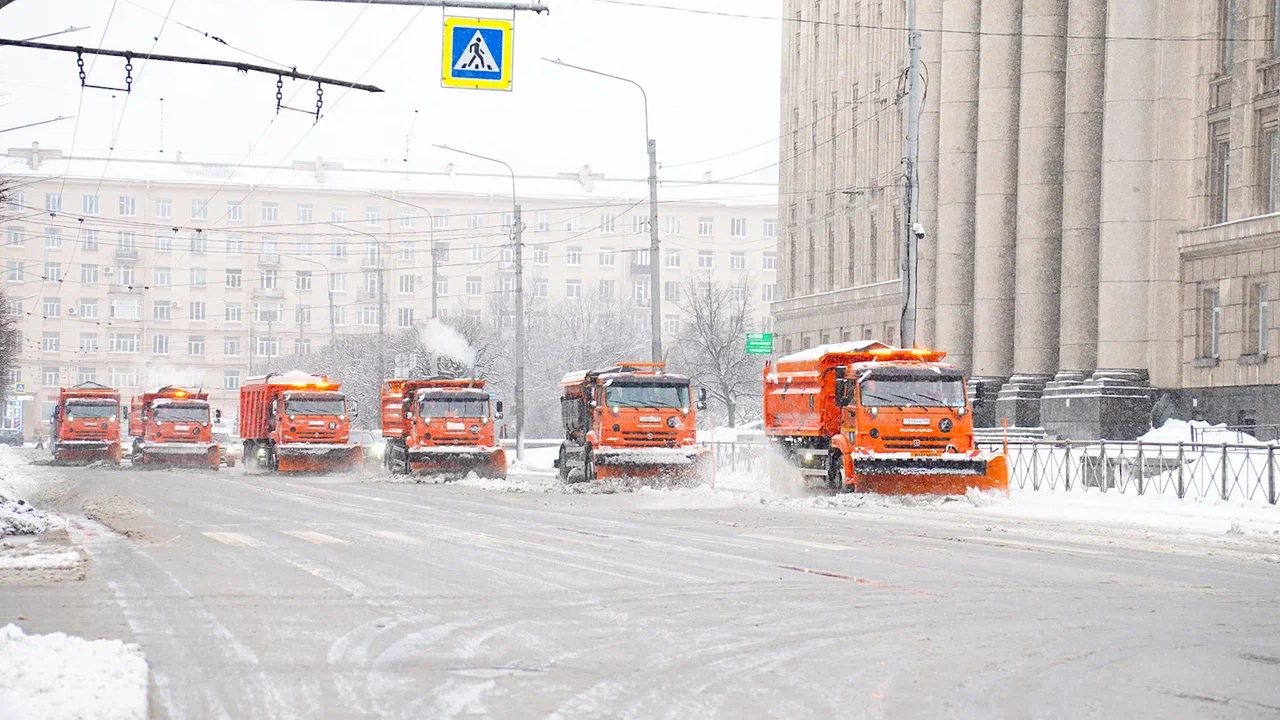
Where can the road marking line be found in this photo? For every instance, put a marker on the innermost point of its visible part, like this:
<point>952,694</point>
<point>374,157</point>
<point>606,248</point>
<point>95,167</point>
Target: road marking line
<point>230,538</point>
<point>1026,546</point>
<point>315,537</point>
<point>396,537</point>
<point>806,543</point>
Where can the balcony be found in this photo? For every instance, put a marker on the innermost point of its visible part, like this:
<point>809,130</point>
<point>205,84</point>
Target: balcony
<point>365,296</point>
<point>1220,93</point>
<point>261,292</point>
<point>373,263</point>
<point>269,259</point>
<point>124,290</point>
<point>638,269</point>
<point>126,253</point>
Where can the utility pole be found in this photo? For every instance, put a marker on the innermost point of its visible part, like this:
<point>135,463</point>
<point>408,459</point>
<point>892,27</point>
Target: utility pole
<point>655,262</point>
<point>518,232</point>
<point>435,280</point>
<point>382,321</point>
<point>911,216</point>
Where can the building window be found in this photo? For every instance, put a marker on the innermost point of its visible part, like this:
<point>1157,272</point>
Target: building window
<point>573,256</point>
<point>89,240</point>
<point>231,378</point>
<point>124,342</point>
<point>442,286</point>
<point>305,213</point>
<point>338,214</point>
<point>738,227</point>
<point>770,261</point>
<point>52,307</point>
<point>52,238</point>
<point>268,312</point>
<point>161,310</point>
<point>123,377</point>
<point>14,236</point>
<point>1227,18</point>
<point>367,315</point>
<point>88,309</point>
<point>640,257</point>
<point>738,261</point>
<point>541,287</point>
<point>607,289</point>
<point>304,246</point>
<point>338,248</point>
<point>404,317</point>
<point>269,245</point>
<point>159,344</point>
<point>302,346</point>
<point>302,280</point>
<point>89,204</point>
<point>1271,166</point>
<point>235,210</point>
<point>406,284</point>
<point>128,206</point>
<point>473,285</point>
<point>1219,176</point>
<point>53,271</point>
<point>673,224</point>
<point>372,216</point>
<point>671,259</point>
<point>268,347</point>
<point>232,312</point>
<point>541,255</point>
<point>640,224</point>
<point>87,374</point>
<point>51,342</point>
<point>199,310</point>
<point>234,277</point>
<point>771,228</point>
<point>269,279</point>
<point>608,223</point>
<point>163,277</point>
<point>640,292</point>
<point>338,282</point>
<point>671,324</point>
<point>574,224</point>
<point>200,209</point>
<point>53,202</point>
<point>440,219</point>
<point>1210,322</point>
<point>671,291</point>
<point>337,315</point>
<point>302,315</point>
<point>767,292</point>
<point>49,377</point>
<point>704,260</point>
<point>406,219</point>
<point>231,347</point>
<point>543,222</point>
<point>1258,320</point>
<point>198,277</point>
<point>235,245</point>
<point>475,253</point>
<point>164,208</point>
<point>195,345</point>
<point>706,226</point>
<point>407,250</point>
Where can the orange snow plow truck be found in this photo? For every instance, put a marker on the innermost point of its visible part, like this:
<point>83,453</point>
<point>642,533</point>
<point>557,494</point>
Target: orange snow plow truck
<point>174,427</point>
<point>867,417</point>
<point>631,420</point>
<point>441,427</point>
<point>297,422</point>
<point>86,425</point>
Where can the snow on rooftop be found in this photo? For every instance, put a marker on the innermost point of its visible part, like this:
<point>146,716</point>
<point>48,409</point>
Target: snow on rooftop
<point>815,353</point>
<point>323,175</point>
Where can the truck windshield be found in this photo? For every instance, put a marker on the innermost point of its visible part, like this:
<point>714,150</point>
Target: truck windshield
<point>891,391</point>
<point>85,410</point>
<point>298,406</point>
<point>178,413</point>
<point>647,396</point>
<point>460,408</point>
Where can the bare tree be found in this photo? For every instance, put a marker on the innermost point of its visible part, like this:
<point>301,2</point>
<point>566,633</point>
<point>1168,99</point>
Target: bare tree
<point>712,344</point>
<point>9,350</point>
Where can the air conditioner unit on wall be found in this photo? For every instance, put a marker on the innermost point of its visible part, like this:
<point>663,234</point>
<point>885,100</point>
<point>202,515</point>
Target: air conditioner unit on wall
<point>71,311</point>
<point>108,271</point>
<point>175,304</point>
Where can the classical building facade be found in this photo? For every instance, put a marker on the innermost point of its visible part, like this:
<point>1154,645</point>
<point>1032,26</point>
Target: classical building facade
<point>1099,183</point>
<point>140,271</point>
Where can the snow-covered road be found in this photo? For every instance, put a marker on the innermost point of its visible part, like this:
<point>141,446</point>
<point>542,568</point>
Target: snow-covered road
<point>262,596</point>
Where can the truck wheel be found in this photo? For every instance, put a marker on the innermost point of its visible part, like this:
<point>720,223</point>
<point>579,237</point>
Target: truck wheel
<point>835,471</point>
<point>562,468</point>
<point>588,466</point>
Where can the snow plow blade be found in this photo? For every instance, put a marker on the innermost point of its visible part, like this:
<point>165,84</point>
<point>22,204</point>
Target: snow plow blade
<point>320,460</point>
<point>483,462</point>
<point>930,475</point>
<point>657,466</point>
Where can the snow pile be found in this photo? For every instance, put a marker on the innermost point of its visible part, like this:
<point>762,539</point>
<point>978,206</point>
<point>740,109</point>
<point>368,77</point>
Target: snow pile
<point>66,677</point>
<point>505,486</point>
<point>43,561</point>
<point>536,459</point>
<point>444,340</point>
<point>1184,431</point>
<point>19,518</point>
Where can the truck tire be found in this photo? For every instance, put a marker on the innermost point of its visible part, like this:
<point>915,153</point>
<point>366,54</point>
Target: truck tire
<point>588,465</point>
<point>562,469</point>
<point>835,472</point>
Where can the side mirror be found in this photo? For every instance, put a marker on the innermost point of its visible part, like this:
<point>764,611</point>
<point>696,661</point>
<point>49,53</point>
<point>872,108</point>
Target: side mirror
<point>842,393</point>
<point>593,404</point>
<point>217,416</point>
<point>353,408</point>
<point>497,407</point>
<point>275,407</point>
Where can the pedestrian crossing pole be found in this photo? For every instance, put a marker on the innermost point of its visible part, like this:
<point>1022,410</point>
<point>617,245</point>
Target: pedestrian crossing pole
<point>911,230</point>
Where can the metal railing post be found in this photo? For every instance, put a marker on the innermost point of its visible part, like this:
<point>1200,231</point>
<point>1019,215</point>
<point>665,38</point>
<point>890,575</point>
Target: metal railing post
<point>1142,470</point>
<point>1068,461</point>
<point>1182,488</point>
<point>1104,477</point>
<point>1224,471</point>
<point>1271,474</point>
<point>1035,465</point>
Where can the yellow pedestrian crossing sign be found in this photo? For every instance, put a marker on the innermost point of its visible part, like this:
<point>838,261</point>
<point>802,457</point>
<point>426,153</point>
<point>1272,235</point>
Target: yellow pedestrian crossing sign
<point>478,53</point>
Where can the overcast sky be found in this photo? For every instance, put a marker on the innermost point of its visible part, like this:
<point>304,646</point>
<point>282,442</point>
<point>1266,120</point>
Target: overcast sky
<point>712,84</point>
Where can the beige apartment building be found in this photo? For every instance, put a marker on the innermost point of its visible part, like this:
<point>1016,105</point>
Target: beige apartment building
<point>150,270</point>
<point>1099,188</point>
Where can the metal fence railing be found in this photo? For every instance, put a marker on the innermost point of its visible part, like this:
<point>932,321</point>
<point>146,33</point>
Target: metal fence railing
<point>1249,472</point>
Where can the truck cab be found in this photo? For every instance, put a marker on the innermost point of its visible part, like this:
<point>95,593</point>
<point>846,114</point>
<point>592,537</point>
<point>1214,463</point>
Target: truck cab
<point>441,426</point>
<point>631,420</point>
<point>174,426</point>
<point>86,425</point>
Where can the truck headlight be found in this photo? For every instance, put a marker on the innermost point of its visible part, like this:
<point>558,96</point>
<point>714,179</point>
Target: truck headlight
<point>333,425</point>
<point>674,422</point>
<point>475,429</point>
<point>945,425</point>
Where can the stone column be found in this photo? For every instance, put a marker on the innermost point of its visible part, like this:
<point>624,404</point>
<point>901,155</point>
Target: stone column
<point>996,204</point>
<point>1115,402</point>
<point>957,151</point>
<point>929,20</point>
<point>1081,186</point>
<point>1039,250</point>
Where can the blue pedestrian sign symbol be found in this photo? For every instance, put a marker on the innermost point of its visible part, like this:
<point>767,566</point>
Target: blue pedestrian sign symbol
<point>477,53</point>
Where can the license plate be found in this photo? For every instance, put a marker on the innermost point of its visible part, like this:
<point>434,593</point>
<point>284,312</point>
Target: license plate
<point>181,428</point>
<point>915,421</point>
<point>455,426</point>
<point>650,418</point>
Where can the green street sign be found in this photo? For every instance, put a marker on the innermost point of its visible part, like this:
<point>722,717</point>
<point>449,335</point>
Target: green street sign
<point>759,343</point>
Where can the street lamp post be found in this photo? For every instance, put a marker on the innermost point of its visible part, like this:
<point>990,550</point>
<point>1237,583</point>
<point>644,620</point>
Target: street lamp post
<point>655,265</point>
<point>333,337</point>
<point>382,304</point>
<point>435,258</point>
<point>517,233</point>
